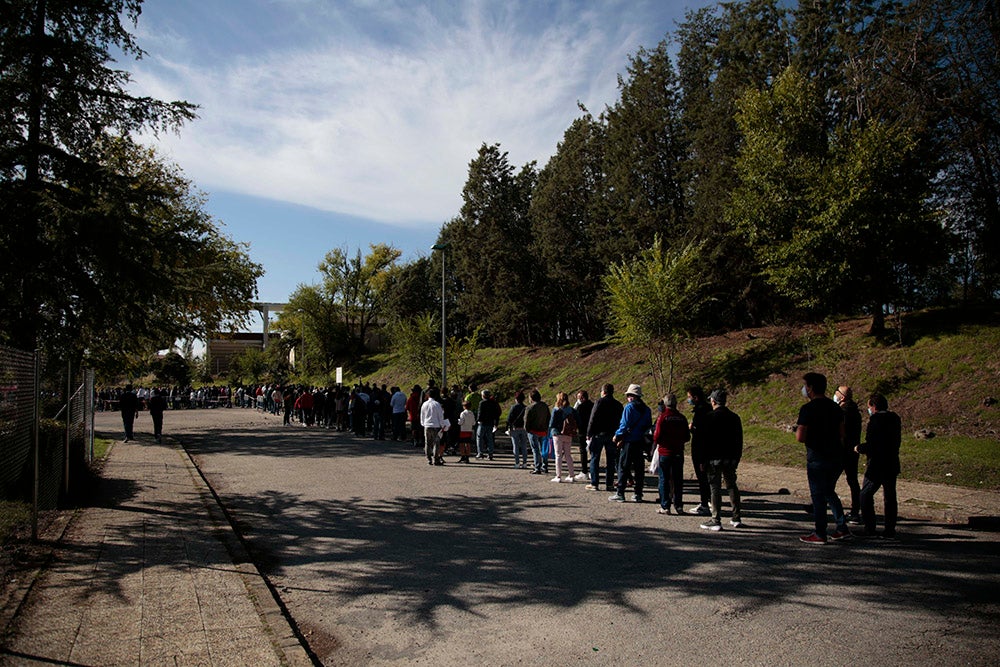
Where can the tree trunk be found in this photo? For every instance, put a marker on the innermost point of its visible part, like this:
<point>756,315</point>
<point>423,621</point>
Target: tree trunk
<point>877,327</point>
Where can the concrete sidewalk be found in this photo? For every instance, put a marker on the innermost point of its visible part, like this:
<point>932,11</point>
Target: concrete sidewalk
<point>152,574</point>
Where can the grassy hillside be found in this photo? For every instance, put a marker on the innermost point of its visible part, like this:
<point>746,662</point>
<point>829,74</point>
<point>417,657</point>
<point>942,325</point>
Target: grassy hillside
<point>940,371</point>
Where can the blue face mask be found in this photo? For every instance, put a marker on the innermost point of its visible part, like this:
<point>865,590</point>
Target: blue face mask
<point>805,391</point>
<point>870,412</point>
<point>690,401</point>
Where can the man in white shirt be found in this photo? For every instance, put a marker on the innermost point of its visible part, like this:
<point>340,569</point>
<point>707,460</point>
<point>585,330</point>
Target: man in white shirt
<point>433,421</point>
<point>398,403</point>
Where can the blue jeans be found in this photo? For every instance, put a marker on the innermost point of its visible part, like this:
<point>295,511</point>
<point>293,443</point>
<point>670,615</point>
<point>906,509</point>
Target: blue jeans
<point>822,475</point>
<point>603,443</point>
<point>484,440</point>
<point>519,439</point>
<point>632,458</point>
<point>874,480</point>
<point>399,426</point>
<point>672,474</point>
<point>538,463</point>
<point>599,443</point>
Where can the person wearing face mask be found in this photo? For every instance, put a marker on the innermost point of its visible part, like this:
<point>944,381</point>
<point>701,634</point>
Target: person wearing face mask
<point>696,399</point>
<point>820,427</point>
<point>881,446</point>
<point>844,397</point>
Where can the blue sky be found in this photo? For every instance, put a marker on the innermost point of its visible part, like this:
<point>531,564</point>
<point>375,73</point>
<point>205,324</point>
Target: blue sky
<point>336,124</point>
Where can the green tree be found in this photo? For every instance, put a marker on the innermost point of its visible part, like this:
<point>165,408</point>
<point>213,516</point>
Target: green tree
<point>172,369</point>
<point>249,366</point>
<point>312,324</point>
<point>834,211</point>
<point>644,152</point>
<point>105,249</point>
<point>461,353</point>
<point>567,209</point>
<point>652,306</point>
<point>358,286</point>
<point>725,50</point>
<point>489,249</point>
<point>417,342</point>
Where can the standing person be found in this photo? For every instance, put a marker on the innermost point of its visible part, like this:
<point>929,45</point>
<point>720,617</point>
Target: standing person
<point>583,407</point>
<point>669,436</point>
<point>488,417</point>
<point>518,434</point>
<point>603,423</point>
<point>398,403</point>
<point>701,409</point>
<point>562,429</point>
<point>844,397</point>
<point>882,439</point>
<point>375,410</point>
<point>723,451</point>
<point>820,428</point>
<point>157,404</point>
<point>451,408</point>
<point>630,437</point>
<point>536,423</point>
<point>413,410</point>
<point>288,399</point>
<point>276,400</point>
<point>129,406</point>
<point>466,429</point>
<point>433,422</point>
<point>473,397</point>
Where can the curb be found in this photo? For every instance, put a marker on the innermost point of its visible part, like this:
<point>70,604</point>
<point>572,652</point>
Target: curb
<point>285,635</point>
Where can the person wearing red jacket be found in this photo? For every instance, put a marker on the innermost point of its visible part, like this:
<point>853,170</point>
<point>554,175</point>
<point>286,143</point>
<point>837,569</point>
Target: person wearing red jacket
<point>669,436</point>
<point>413,404</point>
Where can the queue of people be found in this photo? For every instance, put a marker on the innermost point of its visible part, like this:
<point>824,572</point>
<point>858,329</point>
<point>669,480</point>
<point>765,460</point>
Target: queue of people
<point>629,436</point>
<point>632,439</point>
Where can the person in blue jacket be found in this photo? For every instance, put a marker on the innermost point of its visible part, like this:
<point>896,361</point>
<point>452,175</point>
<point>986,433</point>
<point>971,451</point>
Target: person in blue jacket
<point>630,438</point>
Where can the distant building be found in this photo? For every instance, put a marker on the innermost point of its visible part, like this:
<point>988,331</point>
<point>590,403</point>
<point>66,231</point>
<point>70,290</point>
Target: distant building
<point>222,347</point>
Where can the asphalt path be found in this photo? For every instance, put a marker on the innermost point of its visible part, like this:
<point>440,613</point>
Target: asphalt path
<point>382,559</point>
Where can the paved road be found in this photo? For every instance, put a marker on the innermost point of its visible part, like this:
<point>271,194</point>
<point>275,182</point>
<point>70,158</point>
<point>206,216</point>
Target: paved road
<point>382,559</point>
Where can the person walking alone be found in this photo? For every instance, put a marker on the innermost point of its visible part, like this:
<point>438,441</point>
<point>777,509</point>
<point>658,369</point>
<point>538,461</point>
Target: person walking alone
<point>157,404</point>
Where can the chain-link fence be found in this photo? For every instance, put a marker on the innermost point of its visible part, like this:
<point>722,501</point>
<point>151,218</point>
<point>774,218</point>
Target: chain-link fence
<point>18,421</point>
<point>46,429</point>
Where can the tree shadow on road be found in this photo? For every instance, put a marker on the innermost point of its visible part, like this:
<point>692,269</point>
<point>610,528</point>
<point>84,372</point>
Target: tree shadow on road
<point>461,552</point>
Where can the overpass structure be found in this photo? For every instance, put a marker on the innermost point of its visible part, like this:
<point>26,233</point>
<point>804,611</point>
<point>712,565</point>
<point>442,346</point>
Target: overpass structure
<point>265,310</point>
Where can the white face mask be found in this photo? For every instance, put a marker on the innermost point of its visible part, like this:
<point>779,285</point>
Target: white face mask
<point>870,412</point>
<point>836,399</point>
<point>805,391</point>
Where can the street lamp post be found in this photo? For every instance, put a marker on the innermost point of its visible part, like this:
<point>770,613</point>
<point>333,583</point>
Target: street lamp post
<point>444,353</point>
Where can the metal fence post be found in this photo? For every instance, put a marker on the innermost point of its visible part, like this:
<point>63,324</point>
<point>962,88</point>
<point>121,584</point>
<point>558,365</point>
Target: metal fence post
<point>69,426</point>
<point>35,416</point>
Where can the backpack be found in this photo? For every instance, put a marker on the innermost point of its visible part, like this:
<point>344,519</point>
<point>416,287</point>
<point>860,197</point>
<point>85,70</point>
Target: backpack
<point>569,425</point>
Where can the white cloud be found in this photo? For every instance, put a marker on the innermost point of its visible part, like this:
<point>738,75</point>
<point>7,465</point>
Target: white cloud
<point>384,130</point>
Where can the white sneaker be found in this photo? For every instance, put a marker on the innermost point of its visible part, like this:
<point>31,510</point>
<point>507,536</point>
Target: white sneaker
<point>556,479</point>
<point>735,524</point>
<point>569,480</point>
<point>580,477</point>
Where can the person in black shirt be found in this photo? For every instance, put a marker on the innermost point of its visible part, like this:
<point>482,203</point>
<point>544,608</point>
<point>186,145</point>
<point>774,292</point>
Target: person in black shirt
<point>129,406</point>
<point>844,397</point>
<point>601,427</point>
<point>881,446</point>
<point>696,399</point>
<point>820,428</point>
<point>157,404</point>
<point>722,430</point>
